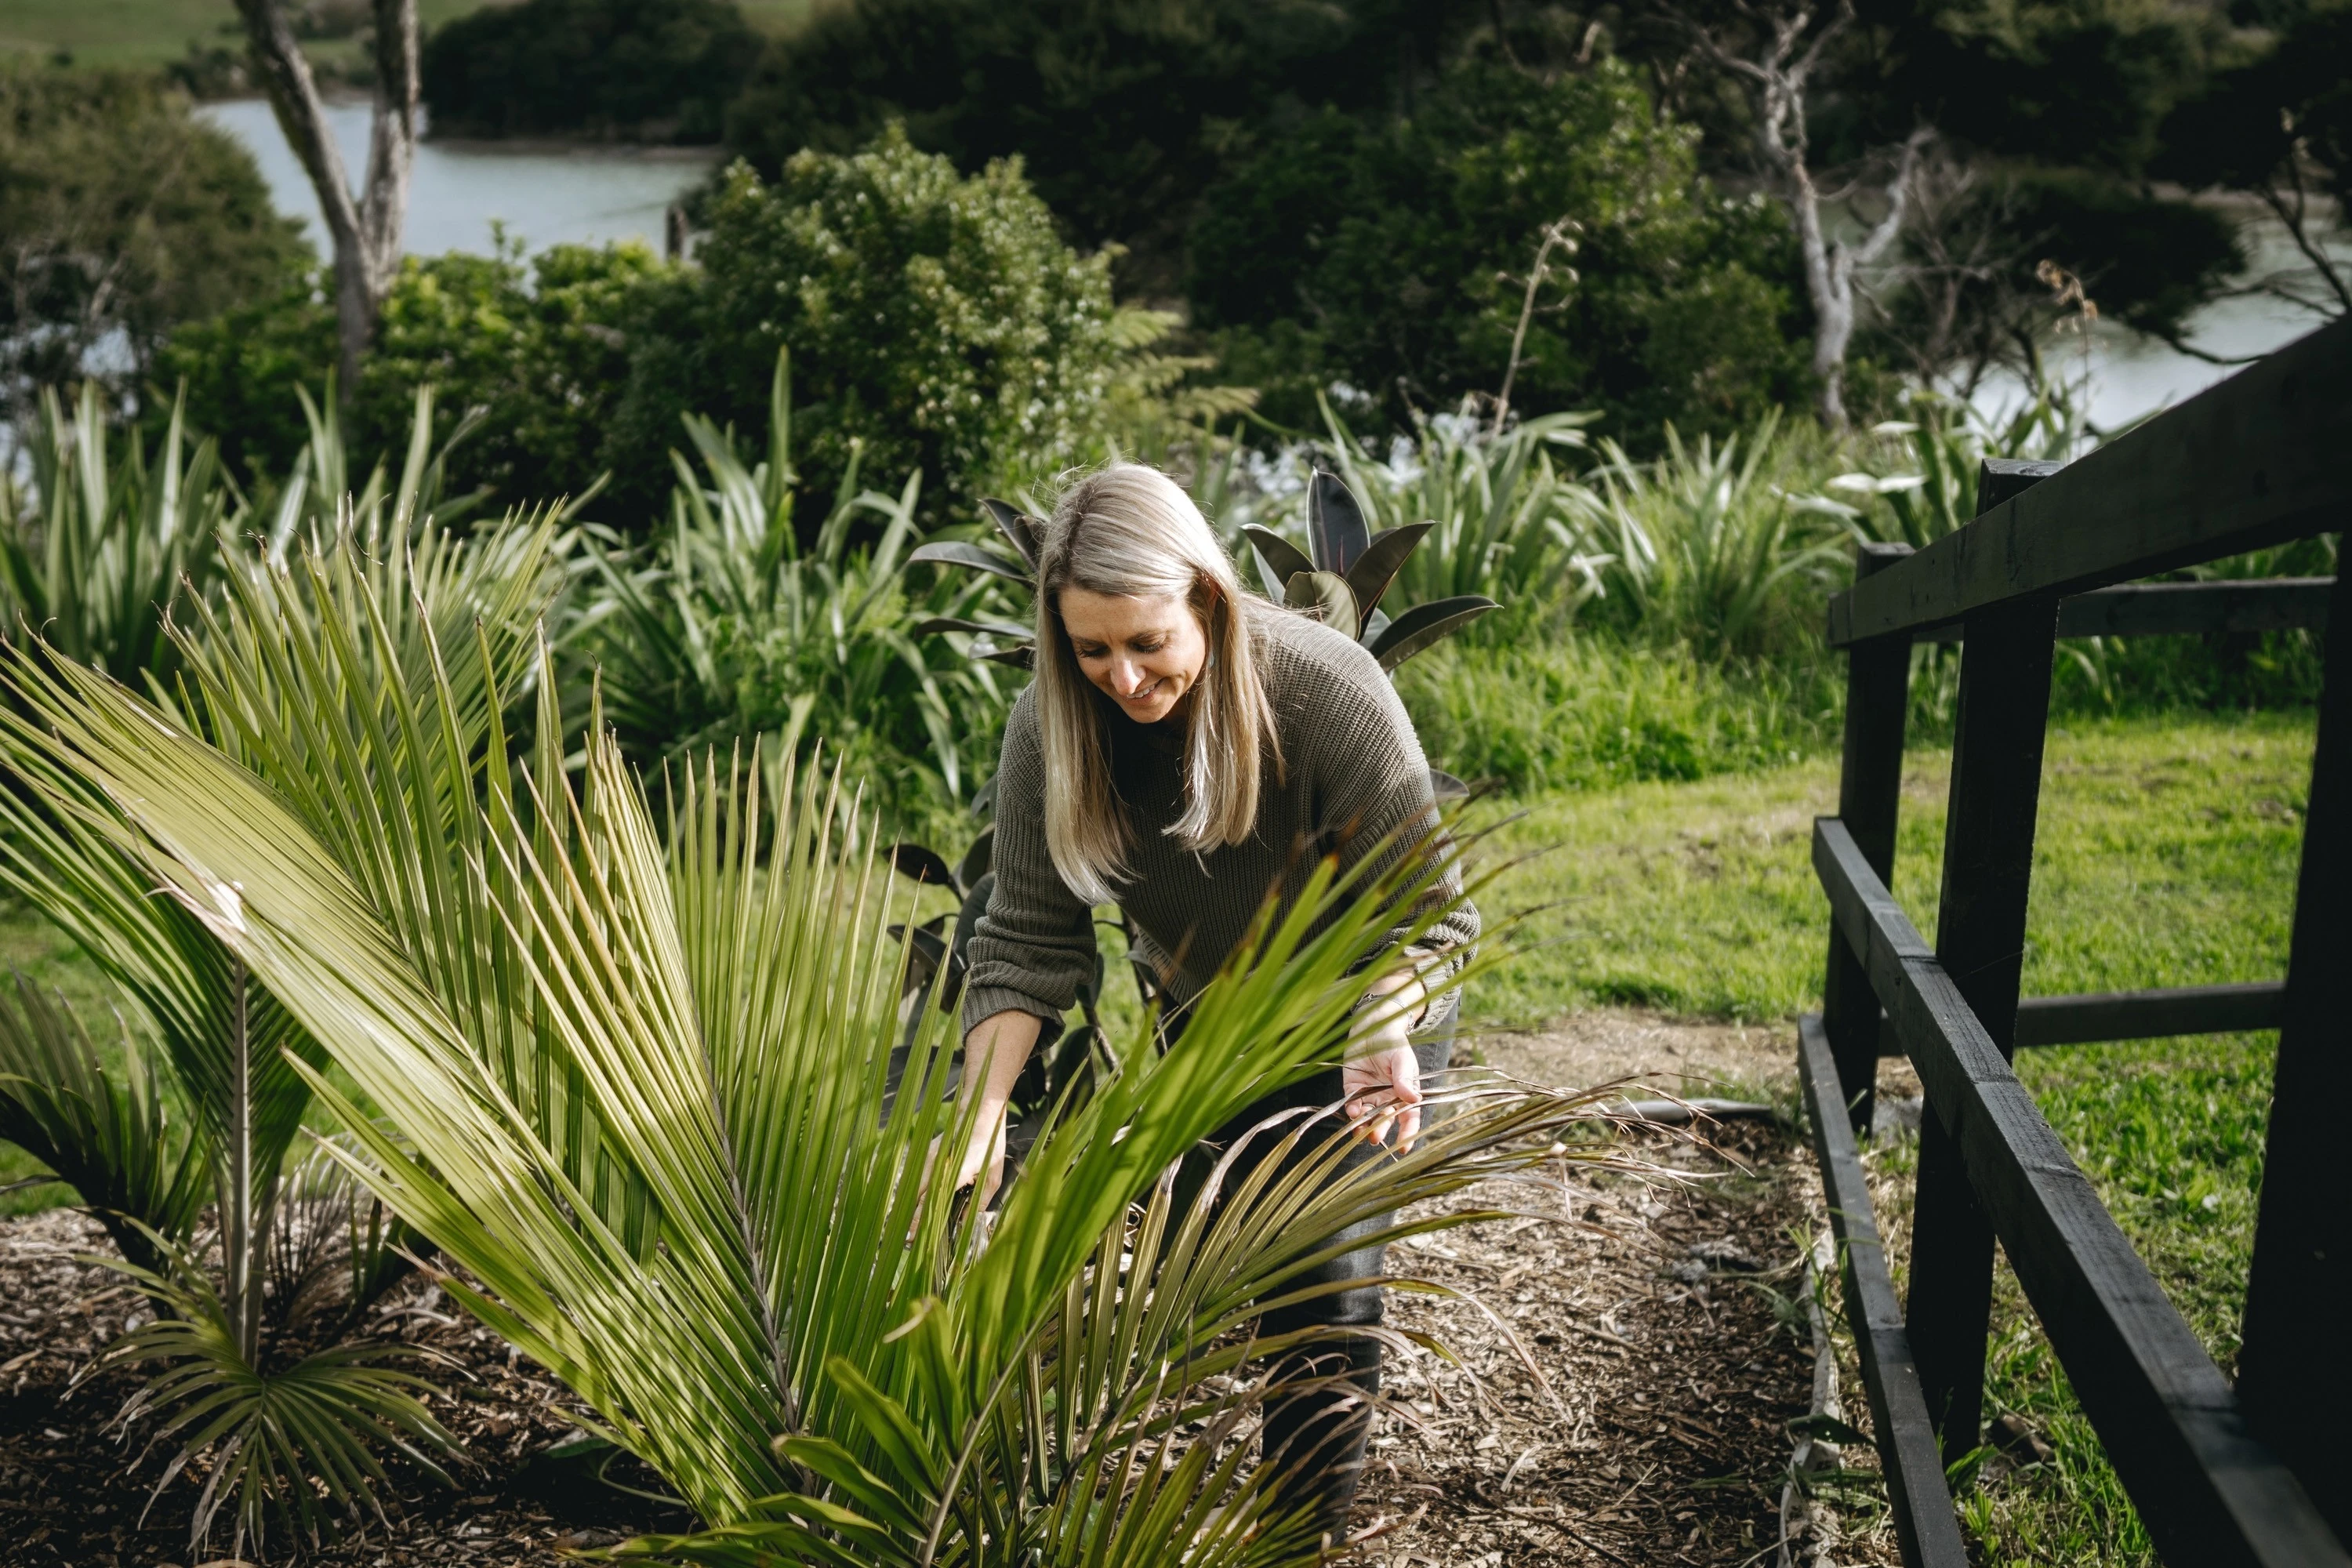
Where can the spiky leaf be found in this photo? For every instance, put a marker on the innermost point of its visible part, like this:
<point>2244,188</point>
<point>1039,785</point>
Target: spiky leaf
<point>1020,530</point>
<point>958,552</point>
<point>1371,575</point>
<point>1278,560</point>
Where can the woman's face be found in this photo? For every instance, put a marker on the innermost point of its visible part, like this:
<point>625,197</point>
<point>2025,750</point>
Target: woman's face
<point>1144,654</point>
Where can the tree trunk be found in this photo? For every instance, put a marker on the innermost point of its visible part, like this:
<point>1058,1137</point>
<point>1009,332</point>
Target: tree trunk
<point>365,229</point>
<point>1830,286</point>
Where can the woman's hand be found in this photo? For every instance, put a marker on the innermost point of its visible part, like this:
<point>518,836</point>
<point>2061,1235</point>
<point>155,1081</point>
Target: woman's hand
<point>1380,1079</point>
<point>993,1054</point>
<point>1384,1088</point>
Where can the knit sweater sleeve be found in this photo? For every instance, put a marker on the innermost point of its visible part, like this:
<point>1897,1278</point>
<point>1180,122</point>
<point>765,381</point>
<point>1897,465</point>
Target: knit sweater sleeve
<point>1373,798</point>
<point>1035,945</point>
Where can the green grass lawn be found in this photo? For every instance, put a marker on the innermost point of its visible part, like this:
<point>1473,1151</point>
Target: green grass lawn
<point>2166,854</point>
<point>2165,857</point>
<point>151,32</point>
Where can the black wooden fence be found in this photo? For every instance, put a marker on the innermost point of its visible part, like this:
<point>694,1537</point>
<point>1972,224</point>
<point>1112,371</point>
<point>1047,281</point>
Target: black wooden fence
<point>2261,1473</point>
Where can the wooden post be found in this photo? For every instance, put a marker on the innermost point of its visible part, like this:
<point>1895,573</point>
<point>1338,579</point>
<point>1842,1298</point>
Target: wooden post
<point>1870,789</point>
<point>2294,1369</point>
<point>1997,738</point>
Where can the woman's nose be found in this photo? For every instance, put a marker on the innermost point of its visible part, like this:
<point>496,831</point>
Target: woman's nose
<point>1126,677</point>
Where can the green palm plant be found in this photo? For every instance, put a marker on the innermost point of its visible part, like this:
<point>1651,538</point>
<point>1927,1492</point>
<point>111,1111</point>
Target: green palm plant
<point>732,631</point>
<point>266,1424</point>
<point>635,1084</point>
<point>94,547</point>
<point>1704,546</point>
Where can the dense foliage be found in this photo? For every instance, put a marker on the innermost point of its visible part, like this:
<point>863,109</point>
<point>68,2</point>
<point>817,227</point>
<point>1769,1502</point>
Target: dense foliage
<point>936,321</point>
<point>936,318</point>
<point>1395,257</point>
<point>542,349</point>
<point>639,71</point>
<point>120,215</point>
<point>1119,110</point>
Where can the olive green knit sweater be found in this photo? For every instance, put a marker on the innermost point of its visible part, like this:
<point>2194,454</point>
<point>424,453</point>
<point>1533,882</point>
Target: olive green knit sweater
<point>1351,776</point>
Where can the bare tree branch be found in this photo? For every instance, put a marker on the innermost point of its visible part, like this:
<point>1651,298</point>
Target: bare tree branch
<point>365,229</point>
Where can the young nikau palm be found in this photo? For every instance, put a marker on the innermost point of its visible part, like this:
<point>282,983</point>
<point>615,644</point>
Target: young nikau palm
<point>635,1084</point>
<point>297,1247</point>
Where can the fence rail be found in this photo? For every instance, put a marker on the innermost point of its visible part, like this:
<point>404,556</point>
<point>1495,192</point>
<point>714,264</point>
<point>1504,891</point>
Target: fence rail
<point>2221,1475</point>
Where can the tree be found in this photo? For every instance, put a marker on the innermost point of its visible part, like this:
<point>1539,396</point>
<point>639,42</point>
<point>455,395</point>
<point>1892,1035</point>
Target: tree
<point>2280,127</point>
<point>365,229</point>
<point>1122,111</point>
<point>936,321</point>
<point>643,71</point>
<point>1772,53</point>
<point>120,215</point>
<point>1395,254</point>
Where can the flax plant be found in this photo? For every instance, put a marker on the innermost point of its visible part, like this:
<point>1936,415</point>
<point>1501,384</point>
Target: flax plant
<point>632,1079</point>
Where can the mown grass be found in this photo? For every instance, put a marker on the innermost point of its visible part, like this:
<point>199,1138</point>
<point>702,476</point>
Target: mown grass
<point>155,32</point>
<point>2166,854</point>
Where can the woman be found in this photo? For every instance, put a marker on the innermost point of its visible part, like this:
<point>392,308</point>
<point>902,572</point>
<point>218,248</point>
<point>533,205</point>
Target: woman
<point>1185,748</point>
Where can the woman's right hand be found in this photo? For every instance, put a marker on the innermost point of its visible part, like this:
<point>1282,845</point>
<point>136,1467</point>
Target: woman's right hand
<point>994,1053</point>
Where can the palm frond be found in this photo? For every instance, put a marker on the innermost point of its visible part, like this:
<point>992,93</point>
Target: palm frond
<point>105,1130</point>
<point>641,1090</point>
<point>271,1440</point>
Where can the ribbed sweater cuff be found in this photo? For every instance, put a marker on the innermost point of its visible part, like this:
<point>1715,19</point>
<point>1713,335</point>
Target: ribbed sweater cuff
<point>983,1002</point>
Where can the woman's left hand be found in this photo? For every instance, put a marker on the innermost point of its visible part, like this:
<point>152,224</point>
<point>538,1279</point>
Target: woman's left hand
<point>1380,1079</point>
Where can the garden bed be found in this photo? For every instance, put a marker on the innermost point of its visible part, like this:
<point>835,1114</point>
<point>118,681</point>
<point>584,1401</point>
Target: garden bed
<point>1649,1309</point>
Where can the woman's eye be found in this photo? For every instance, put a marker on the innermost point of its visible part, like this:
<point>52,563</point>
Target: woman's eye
<point>1153,646</point>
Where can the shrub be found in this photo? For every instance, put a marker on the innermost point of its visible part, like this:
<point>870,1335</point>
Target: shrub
<point>638,70</point>
<point>727,635</point>
<point>123,215</point>
<point>1716,549</point>
<point>1393,256</point>
<point>937,320</point>
<point>1586,711</point>
<point>537,354</point>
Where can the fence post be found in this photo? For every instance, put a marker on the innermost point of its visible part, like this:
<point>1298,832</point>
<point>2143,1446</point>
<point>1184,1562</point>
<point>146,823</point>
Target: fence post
<point>1870,790</point>
<point>2295,1371</point>
<point>1997,739</point>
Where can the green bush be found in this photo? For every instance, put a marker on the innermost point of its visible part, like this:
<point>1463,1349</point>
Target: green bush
<point>937,318</point>
<point>936,321</point>
<point>1393,255</point>
<point>726,636</point>
<point>120,215</point>
<point>1585,710</point>
<point>542,349</point>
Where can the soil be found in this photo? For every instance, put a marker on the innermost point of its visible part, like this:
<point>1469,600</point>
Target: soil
<point>1654,1309</point>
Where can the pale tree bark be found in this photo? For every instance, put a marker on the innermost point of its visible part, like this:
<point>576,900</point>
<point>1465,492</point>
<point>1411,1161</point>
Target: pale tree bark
<point>1784,47</point>
<point>365,229</point>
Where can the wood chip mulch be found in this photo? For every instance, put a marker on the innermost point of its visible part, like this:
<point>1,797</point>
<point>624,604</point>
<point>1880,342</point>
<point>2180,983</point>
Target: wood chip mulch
<point>1671,1374</point>
<point>1647,1306</point>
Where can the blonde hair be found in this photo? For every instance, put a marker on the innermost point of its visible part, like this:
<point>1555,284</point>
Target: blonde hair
<point>1129,530</point>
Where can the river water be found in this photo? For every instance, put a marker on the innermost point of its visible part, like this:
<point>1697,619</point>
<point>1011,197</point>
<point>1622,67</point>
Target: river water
<point>587,195</point>
<point>594,193</point>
